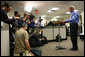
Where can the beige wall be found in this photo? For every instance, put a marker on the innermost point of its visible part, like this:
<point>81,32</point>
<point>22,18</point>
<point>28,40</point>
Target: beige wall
<point>5,50</point>
<point>82,14</point>
<point>83,20</point>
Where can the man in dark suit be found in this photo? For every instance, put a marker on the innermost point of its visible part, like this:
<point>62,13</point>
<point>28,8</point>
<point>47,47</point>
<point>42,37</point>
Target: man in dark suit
<point>5,8</point>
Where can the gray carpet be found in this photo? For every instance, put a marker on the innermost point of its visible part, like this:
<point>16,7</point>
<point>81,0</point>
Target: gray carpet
<point>49,49</point>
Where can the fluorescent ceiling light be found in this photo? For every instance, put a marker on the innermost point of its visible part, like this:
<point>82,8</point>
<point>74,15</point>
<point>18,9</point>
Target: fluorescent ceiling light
<point>53,9</point>
<point>28,7</point>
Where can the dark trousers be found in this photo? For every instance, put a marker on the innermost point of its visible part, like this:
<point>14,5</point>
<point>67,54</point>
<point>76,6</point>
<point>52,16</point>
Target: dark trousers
<point>73,34</point>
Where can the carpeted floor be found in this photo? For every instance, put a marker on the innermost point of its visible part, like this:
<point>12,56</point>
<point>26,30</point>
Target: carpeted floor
<point>50,48</point>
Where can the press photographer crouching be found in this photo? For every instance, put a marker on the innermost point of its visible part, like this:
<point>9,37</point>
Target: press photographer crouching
<point>22,46</point>
<point>35,33</point>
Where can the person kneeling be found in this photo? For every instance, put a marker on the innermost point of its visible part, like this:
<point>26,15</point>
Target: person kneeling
<point>21,42</point>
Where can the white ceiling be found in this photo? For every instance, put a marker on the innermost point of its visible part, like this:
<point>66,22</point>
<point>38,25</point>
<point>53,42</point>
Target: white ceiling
<point>44,6</point>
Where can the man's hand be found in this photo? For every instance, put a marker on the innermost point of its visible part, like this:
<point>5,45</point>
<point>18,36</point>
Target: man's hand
<point>16,17</point>
<point>25,17</point>
<point>31,54</point>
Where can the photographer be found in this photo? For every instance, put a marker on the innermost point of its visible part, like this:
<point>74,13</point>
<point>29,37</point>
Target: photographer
<point>21,41</point>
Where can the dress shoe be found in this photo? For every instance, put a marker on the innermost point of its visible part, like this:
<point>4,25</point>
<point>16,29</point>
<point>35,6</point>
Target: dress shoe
<point>74,49</point>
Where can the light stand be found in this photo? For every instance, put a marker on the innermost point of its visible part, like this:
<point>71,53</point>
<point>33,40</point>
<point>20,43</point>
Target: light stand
<point>53,31</point>
<point>59,47</point>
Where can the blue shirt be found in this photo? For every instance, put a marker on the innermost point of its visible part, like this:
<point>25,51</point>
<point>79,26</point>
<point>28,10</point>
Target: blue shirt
<point>74,18</point>
<point>32,24</point>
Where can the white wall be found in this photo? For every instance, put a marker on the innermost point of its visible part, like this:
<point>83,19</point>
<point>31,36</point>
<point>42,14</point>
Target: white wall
<point>82,13</point>
<point>5,50</point>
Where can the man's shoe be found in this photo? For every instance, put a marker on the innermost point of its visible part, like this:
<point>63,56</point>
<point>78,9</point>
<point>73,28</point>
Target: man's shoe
<point>73,49</point>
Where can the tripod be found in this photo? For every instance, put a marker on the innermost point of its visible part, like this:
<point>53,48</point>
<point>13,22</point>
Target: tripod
<point>59,47</point>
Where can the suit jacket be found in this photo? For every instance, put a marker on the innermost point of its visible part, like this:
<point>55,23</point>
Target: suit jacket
<point>5,18</point>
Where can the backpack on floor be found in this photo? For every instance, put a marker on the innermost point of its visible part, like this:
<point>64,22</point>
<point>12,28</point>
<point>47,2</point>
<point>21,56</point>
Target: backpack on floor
<point>36,52</point>
<point>58,38</point>
<point>32,42</point>
<point>44,40</point>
